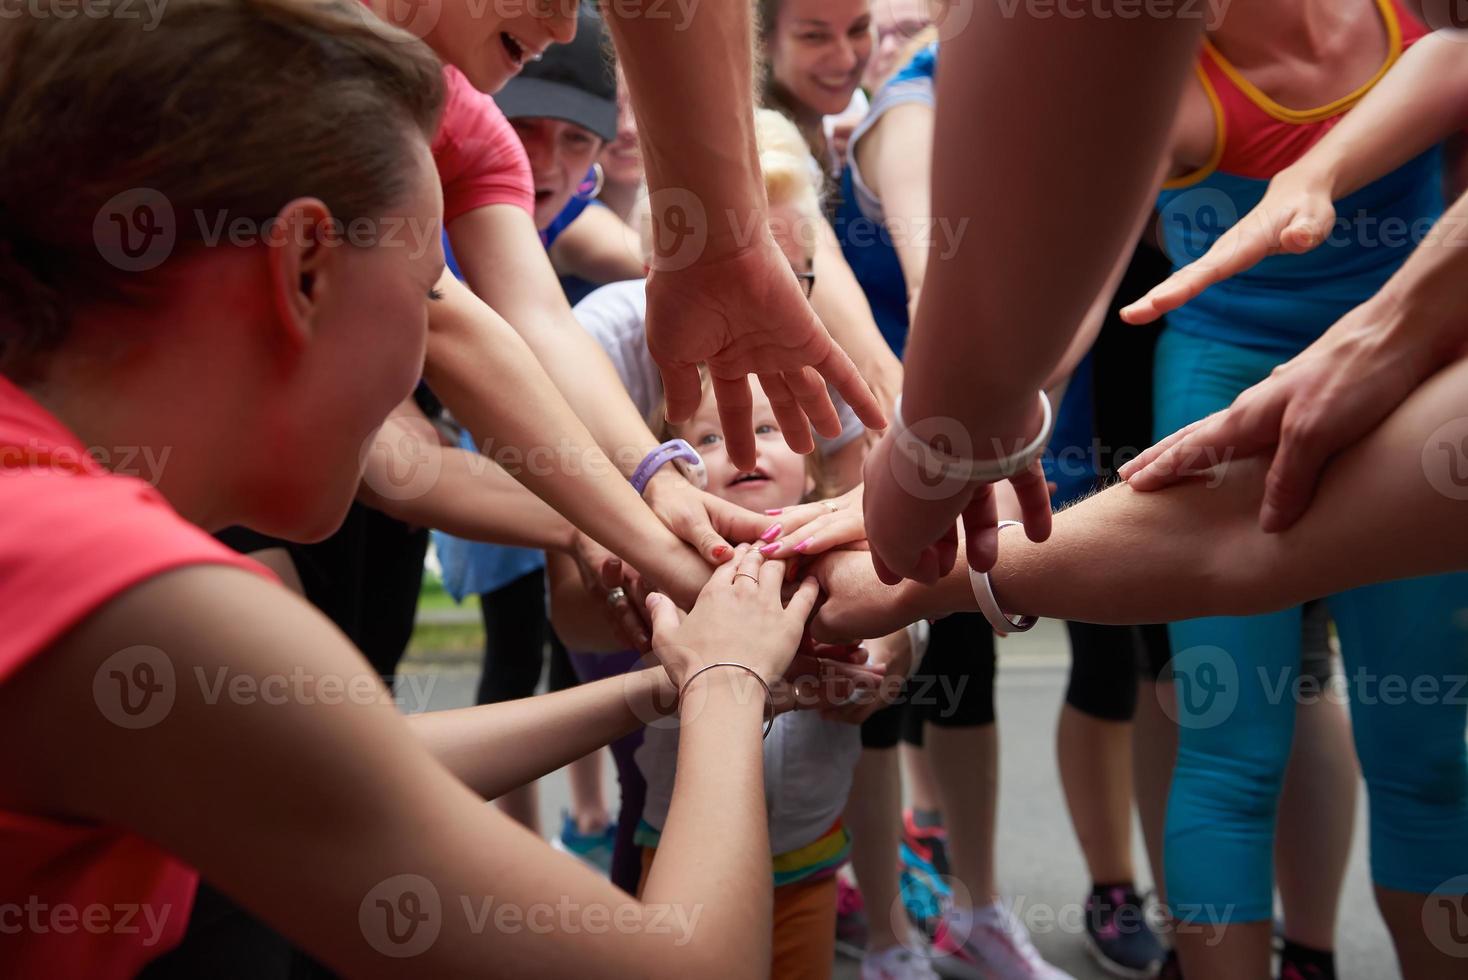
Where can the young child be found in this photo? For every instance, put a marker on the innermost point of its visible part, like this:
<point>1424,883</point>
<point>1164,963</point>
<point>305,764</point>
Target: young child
<point>809,756</point>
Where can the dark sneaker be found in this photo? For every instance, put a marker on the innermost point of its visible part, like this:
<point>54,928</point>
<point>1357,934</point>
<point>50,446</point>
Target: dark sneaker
<point>1118,935</point>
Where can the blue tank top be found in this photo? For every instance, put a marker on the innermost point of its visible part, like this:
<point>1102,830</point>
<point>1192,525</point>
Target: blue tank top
<point>1287,301</point>
<point>860,223</point>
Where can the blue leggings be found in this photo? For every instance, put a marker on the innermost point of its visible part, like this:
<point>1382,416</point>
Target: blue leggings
<point>1405,652</point>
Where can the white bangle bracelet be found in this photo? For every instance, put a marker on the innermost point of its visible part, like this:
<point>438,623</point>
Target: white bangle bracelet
<point>922,454</point>
<point>1002,624</point>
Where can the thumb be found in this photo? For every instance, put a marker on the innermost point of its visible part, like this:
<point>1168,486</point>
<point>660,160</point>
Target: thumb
<point>1304,232</point>
<point>664,614</point>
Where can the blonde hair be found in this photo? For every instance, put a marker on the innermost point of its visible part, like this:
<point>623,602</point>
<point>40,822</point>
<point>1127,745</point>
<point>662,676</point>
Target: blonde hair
<point>792,176</point>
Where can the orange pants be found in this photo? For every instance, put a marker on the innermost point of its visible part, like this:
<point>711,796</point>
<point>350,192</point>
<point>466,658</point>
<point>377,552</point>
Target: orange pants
<point>804,938</point>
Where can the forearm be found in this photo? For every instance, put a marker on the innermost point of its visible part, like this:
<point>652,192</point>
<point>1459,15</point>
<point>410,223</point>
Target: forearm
<point>1424,307</point>
<point>497,747</point>
<point>1420,102</point>
<point>598,247</point>
<point>842,306</point>
<point>681,74</point>
<point>506,267</point>
<point>1196,549</point>
<point>498,391</point>
<point>715,848</point>
<point>575,614</point>
<point>1017,326</point>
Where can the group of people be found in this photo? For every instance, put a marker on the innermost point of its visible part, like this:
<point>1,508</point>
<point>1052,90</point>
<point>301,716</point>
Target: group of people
<point>761,361</point>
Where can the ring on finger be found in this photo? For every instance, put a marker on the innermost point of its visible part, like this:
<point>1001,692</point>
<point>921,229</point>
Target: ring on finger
<point>752,578</point>
<point>830,506</point>
<point>616,595</point>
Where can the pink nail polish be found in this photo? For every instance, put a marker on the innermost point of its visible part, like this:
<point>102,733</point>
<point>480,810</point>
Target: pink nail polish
<point>775,511</point>
<point>805,544</point>
<point>769,549</point>
<point>771,533</point>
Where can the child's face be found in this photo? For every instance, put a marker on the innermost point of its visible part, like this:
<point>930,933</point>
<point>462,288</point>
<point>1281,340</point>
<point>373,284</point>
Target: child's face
<point>560,155</point>
<point>778,479</point>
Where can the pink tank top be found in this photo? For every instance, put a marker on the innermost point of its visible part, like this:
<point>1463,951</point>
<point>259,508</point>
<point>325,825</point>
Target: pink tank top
<point>80,900</point>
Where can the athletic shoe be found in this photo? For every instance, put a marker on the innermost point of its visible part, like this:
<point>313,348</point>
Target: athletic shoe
<point>594,849</point>
<point>989,944</point>
<point>896,963</point>
<point>1118,936</point>
<point>851,919</point>
<point>929,844</point>
<point>922,870</point>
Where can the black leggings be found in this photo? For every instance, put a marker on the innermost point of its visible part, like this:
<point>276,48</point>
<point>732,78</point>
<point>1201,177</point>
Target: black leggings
<point>953,686</point>
<point>515,634</point>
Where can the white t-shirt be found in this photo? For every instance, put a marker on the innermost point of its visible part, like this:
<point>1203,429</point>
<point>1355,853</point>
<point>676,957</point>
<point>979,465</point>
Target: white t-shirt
<point>616,315</point>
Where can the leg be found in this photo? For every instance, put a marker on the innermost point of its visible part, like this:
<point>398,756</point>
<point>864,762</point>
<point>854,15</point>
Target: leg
<point>874,817</point>
<point>922,789</point>
<point>588,791</point>
<point>1406,654</point>
<point>514,634</point>
<point>1317,809</point>
<point>962,744</point>
<point>1154,749</point>
<point>803,944</point>
<point>1094,747</point>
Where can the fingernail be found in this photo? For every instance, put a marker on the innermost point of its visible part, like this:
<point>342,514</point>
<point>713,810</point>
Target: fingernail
<point>777,510</point>
<point>805,544</point>
<point>721,551</point>
<point>771,533</point>
<point>769,549</point>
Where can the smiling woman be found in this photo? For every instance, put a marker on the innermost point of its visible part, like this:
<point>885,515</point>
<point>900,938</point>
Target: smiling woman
<point>815,54</point>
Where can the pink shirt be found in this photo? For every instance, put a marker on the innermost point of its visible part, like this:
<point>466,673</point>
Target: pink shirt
<point>77,899</point>
<point>480,158</point>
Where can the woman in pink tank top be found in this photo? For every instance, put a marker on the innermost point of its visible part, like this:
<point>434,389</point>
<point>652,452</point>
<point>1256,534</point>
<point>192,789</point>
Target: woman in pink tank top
<point>207,309</point>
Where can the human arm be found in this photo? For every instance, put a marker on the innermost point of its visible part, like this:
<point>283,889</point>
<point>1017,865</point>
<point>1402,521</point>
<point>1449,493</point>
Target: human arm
<point>598,247</point>
<point>495,387</point>
<point>842,306</point>
<point>1389,507</point>
<point>720,291</point>
<point>978,356</point>
<point>505,265</point>
<point>241,782</point>
<point>1325,399</point>
<point>1419,103</point>
<point>411,476</point>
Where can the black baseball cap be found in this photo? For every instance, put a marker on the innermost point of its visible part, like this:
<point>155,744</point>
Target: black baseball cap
<point>573,82</point>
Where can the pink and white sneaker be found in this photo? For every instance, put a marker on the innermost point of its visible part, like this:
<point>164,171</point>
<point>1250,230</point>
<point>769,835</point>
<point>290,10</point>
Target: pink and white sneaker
<point>988,943</point>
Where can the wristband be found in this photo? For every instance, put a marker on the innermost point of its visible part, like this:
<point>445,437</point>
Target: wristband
<point>675,451</point>
<point>922,454</point>
<point>769,697</point>
<point>1002,624</point>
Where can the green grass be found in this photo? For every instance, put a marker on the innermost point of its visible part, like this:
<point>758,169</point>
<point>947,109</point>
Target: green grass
<point>445,641</point>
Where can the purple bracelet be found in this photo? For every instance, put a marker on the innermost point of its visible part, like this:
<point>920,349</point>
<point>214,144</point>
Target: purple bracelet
<point>676,451</point>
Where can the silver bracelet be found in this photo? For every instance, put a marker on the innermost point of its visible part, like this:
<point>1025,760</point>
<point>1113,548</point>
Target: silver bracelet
<point>922,454</point>
<point>769,696</point>
<point>1002,623</point>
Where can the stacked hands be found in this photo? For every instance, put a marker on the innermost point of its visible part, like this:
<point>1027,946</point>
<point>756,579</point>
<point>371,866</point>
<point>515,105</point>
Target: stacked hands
<point>799,604</point>
<point>817,608</point>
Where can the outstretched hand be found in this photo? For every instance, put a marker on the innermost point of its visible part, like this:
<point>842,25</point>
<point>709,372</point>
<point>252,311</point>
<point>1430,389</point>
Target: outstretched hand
<point>1294,216</point>
<point>745,314</point>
